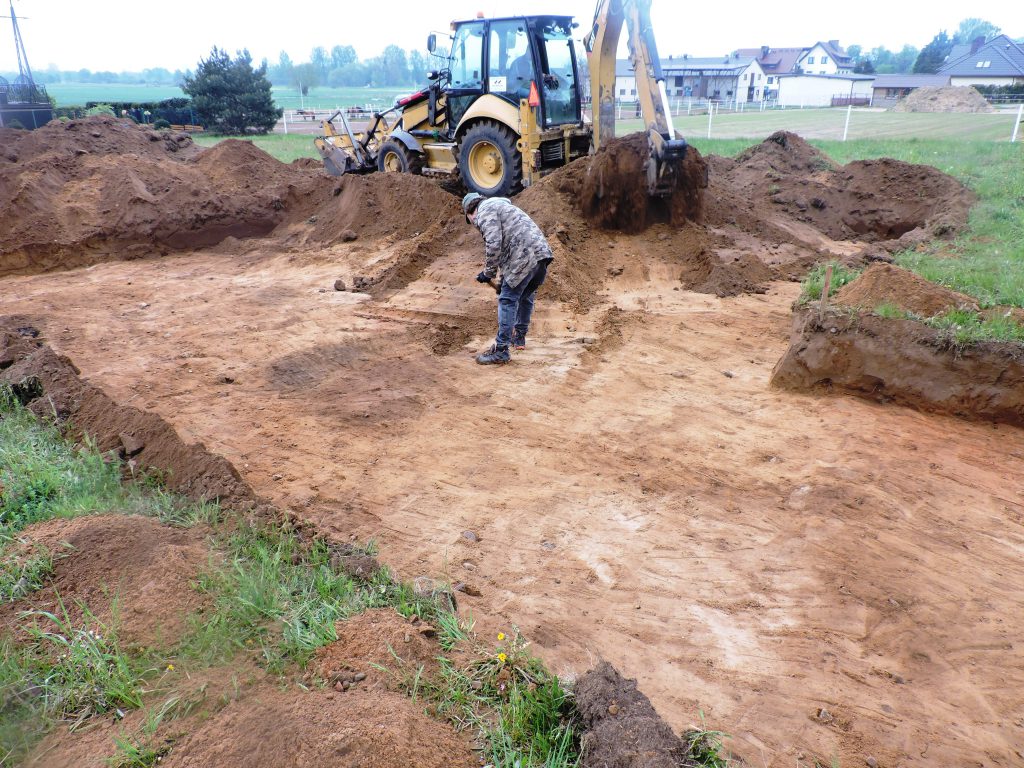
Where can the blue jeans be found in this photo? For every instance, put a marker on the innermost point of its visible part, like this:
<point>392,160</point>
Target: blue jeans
<point>515,305</point>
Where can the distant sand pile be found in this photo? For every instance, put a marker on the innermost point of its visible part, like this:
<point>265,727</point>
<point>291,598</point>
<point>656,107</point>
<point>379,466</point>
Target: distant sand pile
<point>943,99</point>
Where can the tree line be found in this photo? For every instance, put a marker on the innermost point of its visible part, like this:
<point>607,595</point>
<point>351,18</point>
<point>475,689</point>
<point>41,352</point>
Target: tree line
<point>927,60</point>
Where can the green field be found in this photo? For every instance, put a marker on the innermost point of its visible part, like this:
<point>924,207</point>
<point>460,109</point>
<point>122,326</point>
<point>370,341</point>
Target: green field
<point>77,94</point>
<point>828,124</point>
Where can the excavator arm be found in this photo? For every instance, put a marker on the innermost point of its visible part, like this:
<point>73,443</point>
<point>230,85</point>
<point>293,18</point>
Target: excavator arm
<point>601,45</point>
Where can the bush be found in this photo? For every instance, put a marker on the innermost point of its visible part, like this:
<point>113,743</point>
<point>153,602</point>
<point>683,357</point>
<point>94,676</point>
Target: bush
<point>100,109</point>
<point>161,124</point>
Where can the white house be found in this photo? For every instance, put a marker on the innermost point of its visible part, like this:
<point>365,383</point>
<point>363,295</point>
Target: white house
<point>825,59</point>
<point>823,90</point>
<point>999,61</point>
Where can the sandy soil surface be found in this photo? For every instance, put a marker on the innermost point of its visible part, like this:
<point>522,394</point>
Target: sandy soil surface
<point>820,576</point>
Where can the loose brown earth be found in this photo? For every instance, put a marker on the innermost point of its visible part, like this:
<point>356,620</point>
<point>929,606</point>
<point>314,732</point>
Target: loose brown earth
<point>821,576</point>
<point>948,98</point>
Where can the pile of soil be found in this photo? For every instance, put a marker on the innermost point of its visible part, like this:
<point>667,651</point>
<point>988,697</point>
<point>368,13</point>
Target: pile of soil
<point>905,362</point>
<point>613,191</point>
<point>377,638</point>
<point>384,205</point>
<point>148,568</point>
<point>270,728</point>
<point>888,284</point>
<point>948,98</point>
<point>623,730</point>
<point>882,201</point>
<point>87,190</point>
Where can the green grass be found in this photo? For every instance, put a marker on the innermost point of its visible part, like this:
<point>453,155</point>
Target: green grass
<point>278,145</point>
<point>517,708</point>
<point>827,124</point>
<point>814,283</point>
<point>78,94</point>
<point>273,598</point>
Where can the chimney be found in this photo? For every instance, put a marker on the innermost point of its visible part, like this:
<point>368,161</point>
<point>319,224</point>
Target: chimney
<point>976,44</point>
<point>834,44</point>
<point>764,51</point>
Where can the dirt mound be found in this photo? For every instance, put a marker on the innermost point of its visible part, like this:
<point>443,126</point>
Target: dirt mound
<point>50,385</point>
<point>906,362</point>
<point>949,98</point>
<point>141,566</point>
<point>622,729</point>
<point>887,284</point>
<point>613,192</point>
<point>373,639</point>
<point>384,204</point>
<point>779,187</point>
<point>271,729</point>
<point>88,190</point>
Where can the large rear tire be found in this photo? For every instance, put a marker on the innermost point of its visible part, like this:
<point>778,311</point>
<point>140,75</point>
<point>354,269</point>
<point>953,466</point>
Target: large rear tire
<point>489,161</point>
<point>395,157</point>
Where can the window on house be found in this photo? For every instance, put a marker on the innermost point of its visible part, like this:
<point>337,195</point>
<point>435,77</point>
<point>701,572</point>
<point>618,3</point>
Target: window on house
<point>622,91</point>
<point>770,80</point>
<point>824,59</point>
<point>633,92</point>
<point>759,78</point>
<point>810,59</point>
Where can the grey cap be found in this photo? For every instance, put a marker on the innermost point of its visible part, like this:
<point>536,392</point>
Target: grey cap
<point>470,198</point>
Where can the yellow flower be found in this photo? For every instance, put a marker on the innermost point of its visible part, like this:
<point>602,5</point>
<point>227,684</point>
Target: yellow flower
<point>501,636</point>
<point>502,657</point>
<point>170,667</point>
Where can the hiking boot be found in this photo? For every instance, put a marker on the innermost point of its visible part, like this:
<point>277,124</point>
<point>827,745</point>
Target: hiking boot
<point>494,356</point>
<point>518,341</point>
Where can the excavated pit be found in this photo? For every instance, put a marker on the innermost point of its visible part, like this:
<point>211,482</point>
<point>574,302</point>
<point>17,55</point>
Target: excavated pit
<point>359,410</point>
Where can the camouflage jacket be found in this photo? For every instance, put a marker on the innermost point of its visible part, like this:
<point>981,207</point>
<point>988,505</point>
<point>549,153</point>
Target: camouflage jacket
<point>513,243</point>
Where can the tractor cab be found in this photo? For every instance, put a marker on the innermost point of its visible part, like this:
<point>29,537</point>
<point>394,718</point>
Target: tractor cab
<point>528,58</point>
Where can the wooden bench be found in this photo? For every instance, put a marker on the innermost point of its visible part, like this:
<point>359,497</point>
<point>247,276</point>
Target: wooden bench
<point>188,128</point>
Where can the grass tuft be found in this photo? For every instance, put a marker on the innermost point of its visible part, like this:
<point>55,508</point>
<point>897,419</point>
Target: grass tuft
<point>814,283</point>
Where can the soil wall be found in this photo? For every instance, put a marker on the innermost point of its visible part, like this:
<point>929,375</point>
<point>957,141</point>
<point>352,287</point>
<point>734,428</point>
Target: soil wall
<point>906,362</point>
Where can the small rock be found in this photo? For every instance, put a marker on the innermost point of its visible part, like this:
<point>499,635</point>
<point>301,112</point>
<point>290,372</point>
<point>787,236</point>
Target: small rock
<point>613,708</point>
<point>871,762</point>
<point>339,284</point>
<point>339,686</point>
<point>729,374</point>
<point>470,536</point>
<point>277,478</point>
<point>407,638</point>
<point>824,716</point>
<point>476,685</point>
<point>679,374</point>
<point>359,677</point>
<point>131,444</point>
<point>226,380</point>
<point>311,220</point>
<point>347,236</point>
<point>616,271</point>
<point>321,290</point>
<point>144,305</point>
<point>663,236</point>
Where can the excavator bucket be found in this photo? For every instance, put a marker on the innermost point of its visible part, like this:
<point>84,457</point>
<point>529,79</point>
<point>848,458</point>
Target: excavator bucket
<point>343,152</point>
<point>667,157</point>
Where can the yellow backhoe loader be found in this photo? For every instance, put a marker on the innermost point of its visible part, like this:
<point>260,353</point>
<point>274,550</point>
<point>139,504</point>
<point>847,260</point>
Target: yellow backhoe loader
<point>507,108</point>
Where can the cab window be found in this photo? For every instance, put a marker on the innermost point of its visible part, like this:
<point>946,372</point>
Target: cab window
<point>560,94</point>
<point>468,57</point>
<point>510,63</point>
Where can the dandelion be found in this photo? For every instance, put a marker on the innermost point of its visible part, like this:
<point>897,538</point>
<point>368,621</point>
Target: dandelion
<point>502,658</point>
<point>501,636</point>
<point>170,667</point>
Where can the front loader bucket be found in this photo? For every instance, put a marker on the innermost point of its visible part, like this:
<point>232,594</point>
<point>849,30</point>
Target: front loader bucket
<point>336,162</point>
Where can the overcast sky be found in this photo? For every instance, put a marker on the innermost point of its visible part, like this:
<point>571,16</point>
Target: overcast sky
<point>130,35</point>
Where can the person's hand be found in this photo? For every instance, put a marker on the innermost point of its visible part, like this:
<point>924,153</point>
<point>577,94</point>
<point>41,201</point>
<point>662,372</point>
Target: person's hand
<point>483,278</point>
